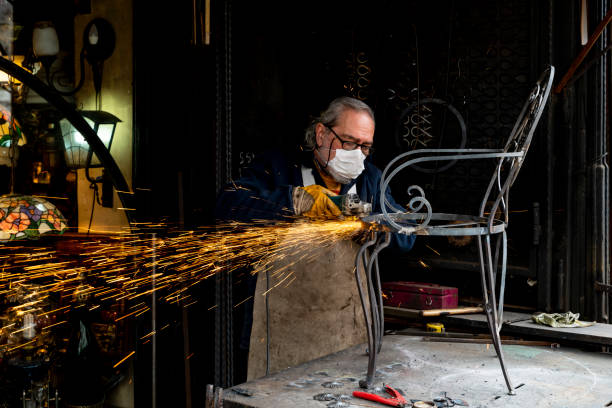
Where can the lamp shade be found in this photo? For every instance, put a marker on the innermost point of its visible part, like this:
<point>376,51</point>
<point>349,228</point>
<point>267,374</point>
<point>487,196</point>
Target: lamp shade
<point>44,39</point>
<point>28,217</point>
<point>75,145</point>
<point>9,129</point>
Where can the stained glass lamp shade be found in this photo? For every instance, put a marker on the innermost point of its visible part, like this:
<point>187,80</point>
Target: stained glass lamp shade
<point>9,130</point>
<point>28,217</point>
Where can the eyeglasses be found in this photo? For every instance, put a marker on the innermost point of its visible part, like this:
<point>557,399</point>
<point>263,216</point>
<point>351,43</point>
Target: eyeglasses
<point>348,145</point>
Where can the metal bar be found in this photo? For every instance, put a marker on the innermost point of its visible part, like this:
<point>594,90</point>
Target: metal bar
<point>502,284</point>
<point>207,22</point>
<point>218,397</point>
<point>382,244</point>
<point>358,263</point>
<point>373,305</point>
<point>209,399</point>
<point>445,334</point>
<point>186,352</point>
<point>602,271</point>
<point>194,25</point>
<point>489,287</point>
<point>569,202</point>
<point>153,324</point>
<point>267,322</point>
<point>491,341</point>
<point>585,50</point>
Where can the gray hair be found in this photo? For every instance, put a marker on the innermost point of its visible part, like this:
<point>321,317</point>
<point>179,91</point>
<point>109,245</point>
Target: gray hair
<point>330,115</point>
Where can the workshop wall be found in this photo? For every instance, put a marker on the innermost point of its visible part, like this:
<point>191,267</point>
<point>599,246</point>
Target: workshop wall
<point>482,57</point>
<point>116,98</point>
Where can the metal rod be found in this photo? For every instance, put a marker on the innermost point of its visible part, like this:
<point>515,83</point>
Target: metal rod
<point>194,25</point>
<point>358,263</point>
<point>209,398</point>
<point>585,50</point>
<point>267,323</point>
<point>207,22</point>
<point>218,400</point>
<point>382,244</point>
<point>502,284</point>
<point>186,352</point>
<point>493,317</point>
<point>153,325</point>
<point>490,341</point>
<point>374,309</point>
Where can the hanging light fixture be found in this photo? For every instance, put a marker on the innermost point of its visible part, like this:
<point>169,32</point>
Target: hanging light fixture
<point>24,216</point>
<point>28,217</point>
<point>78,153</point>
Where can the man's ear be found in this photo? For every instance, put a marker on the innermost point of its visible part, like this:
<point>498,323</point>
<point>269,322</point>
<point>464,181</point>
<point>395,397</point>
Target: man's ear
<point>319,134</point>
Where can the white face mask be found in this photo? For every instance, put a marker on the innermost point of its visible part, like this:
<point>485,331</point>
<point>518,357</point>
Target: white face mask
<point>346,165</point>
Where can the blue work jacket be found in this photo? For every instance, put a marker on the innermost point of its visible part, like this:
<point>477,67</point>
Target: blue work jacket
<point>265,192</point>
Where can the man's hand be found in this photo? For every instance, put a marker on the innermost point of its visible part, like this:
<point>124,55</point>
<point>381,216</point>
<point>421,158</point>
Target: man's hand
<point>314,202</point>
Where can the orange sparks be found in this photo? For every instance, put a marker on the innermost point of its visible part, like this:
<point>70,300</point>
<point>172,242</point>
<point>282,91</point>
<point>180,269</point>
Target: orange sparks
<point>130,267</point>
<point>124,358</point>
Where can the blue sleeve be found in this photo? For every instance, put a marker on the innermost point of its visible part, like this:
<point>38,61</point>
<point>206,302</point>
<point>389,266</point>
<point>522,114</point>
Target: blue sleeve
<point>260,194</point>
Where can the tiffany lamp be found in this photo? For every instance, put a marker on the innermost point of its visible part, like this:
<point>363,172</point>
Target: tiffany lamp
<point>24,216</point>
<point>28,217</point>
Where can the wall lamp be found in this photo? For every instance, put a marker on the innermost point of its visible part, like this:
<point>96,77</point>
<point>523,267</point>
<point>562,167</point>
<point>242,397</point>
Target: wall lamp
<point>79,122</point>
<point>98,45</point>
<point>79,155</point>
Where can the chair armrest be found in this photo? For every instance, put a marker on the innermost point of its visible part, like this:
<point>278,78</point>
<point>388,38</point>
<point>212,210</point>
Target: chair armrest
<point>416,203</point>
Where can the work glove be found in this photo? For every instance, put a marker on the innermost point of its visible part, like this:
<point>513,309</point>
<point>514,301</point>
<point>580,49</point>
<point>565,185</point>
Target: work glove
<point>314,202</point>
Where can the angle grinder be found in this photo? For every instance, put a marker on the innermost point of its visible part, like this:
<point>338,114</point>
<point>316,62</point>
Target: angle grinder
<point>351,205</point>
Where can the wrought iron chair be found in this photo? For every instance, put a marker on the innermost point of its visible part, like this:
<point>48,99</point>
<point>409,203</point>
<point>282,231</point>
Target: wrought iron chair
<point>488,224</point>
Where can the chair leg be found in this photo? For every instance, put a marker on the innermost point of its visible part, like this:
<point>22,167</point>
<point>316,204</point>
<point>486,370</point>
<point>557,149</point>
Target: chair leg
<point>361,259</point>
<point>381,310</point>
<point>374,312</point>
<point>502,283</point>
<point>488,291</point>
<point>376,293</point>
<point>375,320</point>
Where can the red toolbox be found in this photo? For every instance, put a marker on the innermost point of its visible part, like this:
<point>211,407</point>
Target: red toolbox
<point>418,295</point>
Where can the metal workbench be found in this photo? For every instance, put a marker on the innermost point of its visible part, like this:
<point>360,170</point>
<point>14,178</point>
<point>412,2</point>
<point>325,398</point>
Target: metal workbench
<point>424,370</point>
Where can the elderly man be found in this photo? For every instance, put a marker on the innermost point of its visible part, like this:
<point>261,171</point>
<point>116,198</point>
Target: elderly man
<point>319,313</point>
<point>334,160</point>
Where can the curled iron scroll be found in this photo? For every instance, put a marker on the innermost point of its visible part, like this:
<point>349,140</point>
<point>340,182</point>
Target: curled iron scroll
<point>415,205</point>
<point>410,192</point>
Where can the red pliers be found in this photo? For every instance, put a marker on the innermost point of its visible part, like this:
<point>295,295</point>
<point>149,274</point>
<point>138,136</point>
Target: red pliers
<point>396,400</point>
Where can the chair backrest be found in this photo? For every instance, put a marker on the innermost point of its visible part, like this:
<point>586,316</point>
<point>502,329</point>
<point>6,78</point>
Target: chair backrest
<point>507,168</point>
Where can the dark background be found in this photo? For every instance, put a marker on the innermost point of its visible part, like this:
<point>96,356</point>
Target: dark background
<point>288,60</point>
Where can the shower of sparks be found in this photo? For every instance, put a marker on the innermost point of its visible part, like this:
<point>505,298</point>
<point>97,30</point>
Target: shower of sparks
<point>124,358</point>
<point>128,268</point>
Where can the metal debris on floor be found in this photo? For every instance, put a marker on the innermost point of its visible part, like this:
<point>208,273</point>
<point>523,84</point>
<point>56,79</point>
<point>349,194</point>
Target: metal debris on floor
<point>442,374</point>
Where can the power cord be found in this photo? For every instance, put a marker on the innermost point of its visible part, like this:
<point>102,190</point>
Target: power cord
<point>95,199</point>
